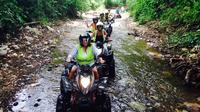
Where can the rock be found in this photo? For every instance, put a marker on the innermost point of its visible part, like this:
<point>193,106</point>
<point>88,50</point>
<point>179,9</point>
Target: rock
<point>34,30</point>
<point>28,38</point>
<point>154,97</point>
<point>14,55</point>
<point>1,109</point>
<point>36,105</point>
<point>16,47</point>
<point>53,46</point>
<point>196,49</point>
<point>4,50</point>
<point>198,99</point>
<point>15,104</point>
<point>157,104</point>
<point>50,29</point>
<point>184,49</point>
<point>45,43</point>
<point>193,56</point>
<point>192,107</point>
<point>30,56</point>
<point>50,68</point>
<point>30,66</point>
<point>28,43</point>
<point>34,84</point>
<point>139,106</point>
<point>38,100</point>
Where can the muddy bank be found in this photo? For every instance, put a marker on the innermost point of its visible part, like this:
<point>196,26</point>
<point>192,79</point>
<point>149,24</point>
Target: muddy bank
<point>21,57</point>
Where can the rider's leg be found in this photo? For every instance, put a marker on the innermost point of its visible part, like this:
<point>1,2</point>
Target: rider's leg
<point>72,72</point>
<point>95,72</point>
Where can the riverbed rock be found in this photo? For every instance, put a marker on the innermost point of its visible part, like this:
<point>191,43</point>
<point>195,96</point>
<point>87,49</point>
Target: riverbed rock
<point>1,109</point>
<point>198,99</point>
<point>184,49</point>
<point>16,47</point>
<point>4,50</point>
<point>28,38</point>
<point>139,106</point>
<point>196,49</point>
<point>34,30</point>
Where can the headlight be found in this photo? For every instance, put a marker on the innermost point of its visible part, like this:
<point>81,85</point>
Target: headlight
<point>85,81</point>
<point>99,51</point>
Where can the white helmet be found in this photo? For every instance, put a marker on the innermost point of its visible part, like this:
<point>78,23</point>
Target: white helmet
<point>99,24</point>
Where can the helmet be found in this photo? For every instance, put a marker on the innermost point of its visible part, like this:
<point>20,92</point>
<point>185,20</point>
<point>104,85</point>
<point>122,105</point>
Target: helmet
<point>95,20</point>
<point>99,24</point>
<point>87,36</point>
<point>106,13</point>
<point>102,14</point>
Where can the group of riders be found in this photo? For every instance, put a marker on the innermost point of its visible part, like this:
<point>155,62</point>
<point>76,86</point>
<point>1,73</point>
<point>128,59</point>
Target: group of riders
<point>92,56</point>
<point>86,53</point>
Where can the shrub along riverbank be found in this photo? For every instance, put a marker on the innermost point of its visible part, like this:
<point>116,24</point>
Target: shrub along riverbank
<point>180,21</point>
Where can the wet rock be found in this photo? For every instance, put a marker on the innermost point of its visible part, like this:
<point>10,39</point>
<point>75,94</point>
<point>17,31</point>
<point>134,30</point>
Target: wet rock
<point>35,84</point>
<point>139,106</point>
<point>4,50</point>
<point>50,68</point>
<point>15,104</point>
<point>36,105</point>
<point>38,100</point>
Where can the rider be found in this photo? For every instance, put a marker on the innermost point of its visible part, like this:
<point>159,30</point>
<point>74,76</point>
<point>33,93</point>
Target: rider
<point>101,17</point>
<point>93,25</point>
<point>85,54</point>
<point>100,34</point>
<point>108,16</point>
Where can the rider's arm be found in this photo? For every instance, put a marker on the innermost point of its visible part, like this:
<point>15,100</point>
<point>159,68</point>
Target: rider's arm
<point>95,51</point>
<point>96,54</point>
<point>72,54</point>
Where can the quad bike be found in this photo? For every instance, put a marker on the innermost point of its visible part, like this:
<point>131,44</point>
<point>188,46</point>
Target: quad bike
<point>84,93</point>
<point>105,51</point>
<point>108,27</point>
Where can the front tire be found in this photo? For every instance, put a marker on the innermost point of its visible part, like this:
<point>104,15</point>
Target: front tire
<point>105,105</point>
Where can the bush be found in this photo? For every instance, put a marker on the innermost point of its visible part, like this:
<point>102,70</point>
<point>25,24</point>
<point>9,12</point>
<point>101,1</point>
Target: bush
<point>14,13</point>
<point>183,15</point>
<point>189,39</point>
<point>11,15</point>
<point>114,3</point>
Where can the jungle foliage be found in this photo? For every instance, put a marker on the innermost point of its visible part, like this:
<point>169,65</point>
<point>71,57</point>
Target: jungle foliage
<point>114,3</point>
<point>14,13</point>
<point>179,14</point>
